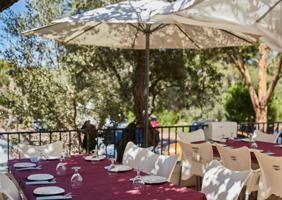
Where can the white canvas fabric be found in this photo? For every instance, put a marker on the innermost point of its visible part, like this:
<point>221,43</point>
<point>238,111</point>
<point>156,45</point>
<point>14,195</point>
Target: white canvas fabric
<point>239,159</point>
<point>196,157</point>
<point>194,136</point>
<point>264,137</point>
<point>221,183</point>
<point>53,149</point>
<point>271,176</point>
<point>122,25</point>
<point>8,188</point>
<point>260,17</point>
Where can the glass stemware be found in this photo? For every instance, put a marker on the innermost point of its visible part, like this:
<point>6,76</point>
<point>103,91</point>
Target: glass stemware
<point>113,160</point>
<point>67,153</point>
<point>76,179</point>
<point>138,181</point>
<point>42,155</point>
<point>61,168</point>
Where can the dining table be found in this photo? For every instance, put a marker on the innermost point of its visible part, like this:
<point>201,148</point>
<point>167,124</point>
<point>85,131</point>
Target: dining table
<point>98,183</point>
<point>271,149</point>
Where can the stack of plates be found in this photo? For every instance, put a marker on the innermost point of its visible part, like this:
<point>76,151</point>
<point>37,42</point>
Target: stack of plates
<point>24,165</point>
<point>48,190</point>
<point>94,158</point>
<point>40,177</point>
<point>119,168</point>
<point>152,179</point>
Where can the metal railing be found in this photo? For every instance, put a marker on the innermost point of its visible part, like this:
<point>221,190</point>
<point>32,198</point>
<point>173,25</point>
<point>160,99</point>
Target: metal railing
<point>108,137</point>
<point>116,137</point>
<point>269,127</point>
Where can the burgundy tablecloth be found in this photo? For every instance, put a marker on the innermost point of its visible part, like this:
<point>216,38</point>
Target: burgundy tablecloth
<point>99,184</point>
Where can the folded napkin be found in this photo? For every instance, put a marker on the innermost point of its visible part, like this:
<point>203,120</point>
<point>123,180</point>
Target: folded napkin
<point>40,182</point>
<point>54,197</point>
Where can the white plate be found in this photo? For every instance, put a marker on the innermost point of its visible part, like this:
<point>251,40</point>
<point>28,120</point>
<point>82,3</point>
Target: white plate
<point>120,168</point>
<point>40,177</point>
<point>48,190</point>
<point>24,165</point>
<point>279,145</point>
<point>245,139</point>
<point>151,179</point>
<point>53,158</point>
<point>93,158</point>
<point>254,150</point>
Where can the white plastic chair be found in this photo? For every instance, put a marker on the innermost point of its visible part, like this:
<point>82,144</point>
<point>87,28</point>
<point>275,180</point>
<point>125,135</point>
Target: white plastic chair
<point>53,149</point>
<point>264,137</point>
<point>271,176</point>
<point>130,154</point>
<point>196,157</point>
<point>221,183</point>
<point>239,159</point>
<point>8,188</point>
<point>164,166</point>
<point>146,160</point>
<point>194,136</point>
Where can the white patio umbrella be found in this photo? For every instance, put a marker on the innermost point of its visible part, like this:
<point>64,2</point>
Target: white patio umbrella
<point>129,25</point>
<point>262,17</point>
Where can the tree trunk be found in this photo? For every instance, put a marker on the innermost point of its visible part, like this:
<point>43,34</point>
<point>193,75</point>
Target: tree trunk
<point>261,109</point>
<point>261,114</point>
<point>138,87</point>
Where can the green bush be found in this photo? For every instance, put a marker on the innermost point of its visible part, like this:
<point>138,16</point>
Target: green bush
<point>238,105</point>
<point>167,118</point>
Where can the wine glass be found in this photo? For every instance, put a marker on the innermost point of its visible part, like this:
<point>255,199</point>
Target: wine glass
<point>42,155</point>
<point>138,181</point>
<point>61,168</point>
<point>67,153</point>
<point>76,179</point>
<point>112,158</point>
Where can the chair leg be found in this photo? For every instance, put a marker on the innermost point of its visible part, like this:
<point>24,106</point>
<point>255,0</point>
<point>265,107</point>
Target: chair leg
<point>180,176</point>
<point>247,196</point>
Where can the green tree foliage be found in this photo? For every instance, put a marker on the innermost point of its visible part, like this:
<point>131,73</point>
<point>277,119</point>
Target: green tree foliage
<point>238,105</point>
<point>57,83</point>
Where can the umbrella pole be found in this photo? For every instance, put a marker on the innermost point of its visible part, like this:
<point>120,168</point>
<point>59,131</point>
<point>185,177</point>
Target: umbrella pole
<point>146,88</point>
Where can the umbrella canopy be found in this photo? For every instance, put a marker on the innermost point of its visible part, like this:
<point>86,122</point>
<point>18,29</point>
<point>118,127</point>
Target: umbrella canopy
<point>123,25</point>
<point>130,25</point>
<point>263,17</point>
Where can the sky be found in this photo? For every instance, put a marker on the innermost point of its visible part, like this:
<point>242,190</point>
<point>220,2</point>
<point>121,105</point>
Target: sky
<point>18,7</point>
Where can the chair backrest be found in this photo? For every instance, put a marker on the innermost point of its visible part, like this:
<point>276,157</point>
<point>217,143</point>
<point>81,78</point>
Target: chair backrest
<point>146,160</point>
<point>164,166</point>
<point>271,175</point>
<point>195,159</point>
<point>53,149</point>
<point>264,137</point>
<point>130,154</point>
<point>8,188</point>
<point>238,159</point>
<point>221,183</point>
<point>194,136</point>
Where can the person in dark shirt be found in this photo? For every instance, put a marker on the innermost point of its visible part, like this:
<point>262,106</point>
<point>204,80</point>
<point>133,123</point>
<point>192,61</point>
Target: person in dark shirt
<point>89,141</point>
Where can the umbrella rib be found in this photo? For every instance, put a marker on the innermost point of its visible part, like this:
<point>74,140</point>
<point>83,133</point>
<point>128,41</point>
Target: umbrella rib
<point>161,26</point>
<point>88,29</point>
<point>188,36</point>
<point>138,27</point>
<point>268,11</point>
<point>237,36</point>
